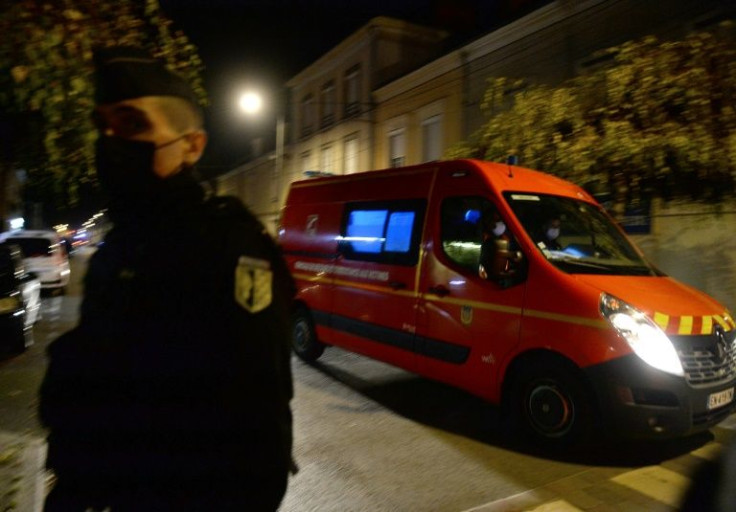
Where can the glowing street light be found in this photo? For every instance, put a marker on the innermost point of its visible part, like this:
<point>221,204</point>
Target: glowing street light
<point>250,102</point>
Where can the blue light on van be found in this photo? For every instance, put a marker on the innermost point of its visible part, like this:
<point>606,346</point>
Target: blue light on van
<point>472,216</point>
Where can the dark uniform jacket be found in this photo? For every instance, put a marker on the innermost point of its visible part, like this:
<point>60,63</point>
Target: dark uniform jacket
<point>179,368</point>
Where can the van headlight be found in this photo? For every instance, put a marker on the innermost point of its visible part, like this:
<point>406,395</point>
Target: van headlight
<point>648,341</point>
<point>9,304</point>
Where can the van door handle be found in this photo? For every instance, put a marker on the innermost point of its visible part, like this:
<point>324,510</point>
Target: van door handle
<point>397,285</point>
<point>439,290</point>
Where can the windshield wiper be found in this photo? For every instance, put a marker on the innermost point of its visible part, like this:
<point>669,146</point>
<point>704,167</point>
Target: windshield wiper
<point>575,261</point>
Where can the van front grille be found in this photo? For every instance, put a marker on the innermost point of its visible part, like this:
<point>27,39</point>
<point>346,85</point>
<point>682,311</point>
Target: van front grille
<point>707,359</point>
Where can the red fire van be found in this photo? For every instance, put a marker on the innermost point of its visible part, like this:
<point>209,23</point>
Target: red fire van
<point>513,285</point>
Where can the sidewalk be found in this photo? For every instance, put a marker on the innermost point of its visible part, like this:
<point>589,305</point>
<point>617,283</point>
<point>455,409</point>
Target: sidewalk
<point>22,474</point>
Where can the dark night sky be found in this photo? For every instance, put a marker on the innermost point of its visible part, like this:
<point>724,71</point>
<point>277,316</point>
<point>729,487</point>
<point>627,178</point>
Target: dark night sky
<point>263,43</point>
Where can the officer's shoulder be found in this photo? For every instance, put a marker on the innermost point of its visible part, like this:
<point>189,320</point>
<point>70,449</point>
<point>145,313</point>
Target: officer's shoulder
<point>236,221</point>
<point>230,209</point>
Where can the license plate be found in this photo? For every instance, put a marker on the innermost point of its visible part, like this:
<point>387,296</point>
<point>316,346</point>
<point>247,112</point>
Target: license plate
<point>721,398</point>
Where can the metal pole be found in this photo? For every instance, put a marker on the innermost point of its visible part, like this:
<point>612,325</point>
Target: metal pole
<point>279,163</point>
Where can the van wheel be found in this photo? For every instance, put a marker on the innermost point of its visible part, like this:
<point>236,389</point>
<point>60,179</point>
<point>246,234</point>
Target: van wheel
<point>304,337</point>
<point>552,404</point>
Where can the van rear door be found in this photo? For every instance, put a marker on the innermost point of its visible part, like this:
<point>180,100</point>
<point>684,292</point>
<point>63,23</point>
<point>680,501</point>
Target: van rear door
<point>467,324</point>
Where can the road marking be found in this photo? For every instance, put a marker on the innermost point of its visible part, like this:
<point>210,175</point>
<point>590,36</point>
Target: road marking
<point>522,501</point>
<point>33,484</point>
<point>24,458</point>
<point>534,500</point>
<point>656,482</point>
<point>555,506</point>
<point>710,451</point>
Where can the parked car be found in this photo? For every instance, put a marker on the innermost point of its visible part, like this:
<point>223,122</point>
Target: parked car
<point>45,255</point>
<point>20,300</point>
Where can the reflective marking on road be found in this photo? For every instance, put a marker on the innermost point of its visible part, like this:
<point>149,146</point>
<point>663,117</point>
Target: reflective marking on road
<point>656,482</point>
<point>538,500</point>
<point>710,451</point>
<point>556,506</point>
<point>522,501</point>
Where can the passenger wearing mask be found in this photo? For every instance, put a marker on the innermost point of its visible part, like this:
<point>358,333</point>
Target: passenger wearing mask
<point>550,235</point>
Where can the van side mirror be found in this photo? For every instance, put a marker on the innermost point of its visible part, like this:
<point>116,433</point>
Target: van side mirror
<point>505,262</point>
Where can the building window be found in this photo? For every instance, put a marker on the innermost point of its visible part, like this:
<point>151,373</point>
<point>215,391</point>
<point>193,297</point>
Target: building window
<point>327,101</point>
<point>306,164</point>
<point>396,148</point>
<point>327,159</point>
<point>350,155</point>
<point>352,91</point>
<point>432,139</point>
<point>307,115</point>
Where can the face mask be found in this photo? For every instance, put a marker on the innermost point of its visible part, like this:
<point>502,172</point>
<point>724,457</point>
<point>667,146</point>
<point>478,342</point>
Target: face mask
<point>553,233</point>
<point>499,229</point>
<point>125,170</point>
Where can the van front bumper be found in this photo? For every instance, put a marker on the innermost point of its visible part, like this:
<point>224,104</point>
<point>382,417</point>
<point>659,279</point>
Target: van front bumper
<point>638,401</point>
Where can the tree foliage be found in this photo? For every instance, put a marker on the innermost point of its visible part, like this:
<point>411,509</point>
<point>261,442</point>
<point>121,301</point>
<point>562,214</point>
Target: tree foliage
<point>661,116</point>
<point>46,89</point>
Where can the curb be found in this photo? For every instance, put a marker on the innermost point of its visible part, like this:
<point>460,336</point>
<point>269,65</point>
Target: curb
<point>23,474</point>
<point>32,490</point>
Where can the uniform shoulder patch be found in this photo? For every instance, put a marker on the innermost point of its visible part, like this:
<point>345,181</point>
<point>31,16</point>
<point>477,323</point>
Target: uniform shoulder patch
<point>253,283</point>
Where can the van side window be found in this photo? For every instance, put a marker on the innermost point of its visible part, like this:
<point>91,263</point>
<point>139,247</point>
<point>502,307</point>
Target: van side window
<point>383,231</point>
<point>461,229</point>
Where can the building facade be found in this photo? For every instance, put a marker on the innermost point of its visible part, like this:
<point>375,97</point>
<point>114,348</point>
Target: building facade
<point>331,112</point>
<point>379,99</point>
<point>419,115</point>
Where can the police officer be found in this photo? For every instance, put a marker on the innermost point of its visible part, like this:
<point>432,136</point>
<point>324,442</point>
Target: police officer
<point>172,393</point>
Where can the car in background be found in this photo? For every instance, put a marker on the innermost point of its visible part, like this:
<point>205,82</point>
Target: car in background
<point>20,300</point>
<point>45,255</point>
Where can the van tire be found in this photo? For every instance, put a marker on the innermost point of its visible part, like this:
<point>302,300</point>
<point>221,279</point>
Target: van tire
<point>552,405</point>
<point>304,340</point>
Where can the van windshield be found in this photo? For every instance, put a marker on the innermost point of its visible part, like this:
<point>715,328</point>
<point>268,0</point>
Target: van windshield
<point>33,247</point>
<point>575,236</point>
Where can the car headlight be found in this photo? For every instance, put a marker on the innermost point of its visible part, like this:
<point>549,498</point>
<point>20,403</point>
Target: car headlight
<point>648,341</point>
<point>9,304</point>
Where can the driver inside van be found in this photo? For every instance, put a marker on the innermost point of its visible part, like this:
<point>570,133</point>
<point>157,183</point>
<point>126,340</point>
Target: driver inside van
<point>550,234</point>
<point>495,238</point>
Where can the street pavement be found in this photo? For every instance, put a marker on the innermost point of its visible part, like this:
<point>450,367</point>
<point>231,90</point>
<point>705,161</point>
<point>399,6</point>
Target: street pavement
<point>348,462</point>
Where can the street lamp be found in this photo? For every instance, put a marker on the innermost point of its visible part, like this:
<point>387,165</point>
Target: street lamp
<point>251,103</point>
